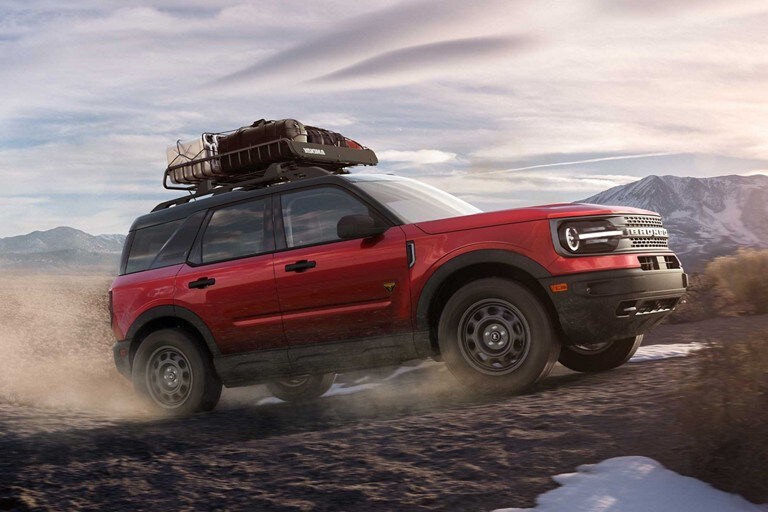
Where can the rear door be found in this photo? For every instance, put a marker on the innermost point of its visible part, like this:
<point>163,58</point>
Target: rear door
<point>229,279</point>
<point>332,289</point>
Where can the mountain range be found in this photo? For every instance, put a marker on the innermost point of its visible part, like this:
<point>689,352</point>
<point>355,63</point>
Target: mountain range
<point>706,217</point>
<point>62,248</point>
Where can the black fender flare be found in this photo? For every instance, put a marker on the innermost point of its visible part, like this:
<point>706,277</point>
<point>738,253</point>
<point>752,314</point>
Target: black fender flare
<point>468,259</point>
<point>169,311</point>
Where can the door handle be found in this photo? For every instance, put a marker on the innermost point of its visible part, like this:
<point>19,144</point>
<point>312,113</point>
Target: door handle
<point>300,266</point>
<point>203,282</point>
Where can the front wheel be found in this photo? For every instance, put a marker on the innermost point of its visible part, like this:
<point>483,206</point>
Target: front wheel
<point>599,357</point>
<point>496,336</point>
<point>174,374</point>
<point>302,388</point>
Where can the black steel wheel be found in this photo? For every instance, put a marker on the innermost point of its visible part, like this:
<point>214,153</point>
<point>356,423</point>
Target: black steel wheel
<point>175,374</point>
<point>496,336</point>
<point>301,388</point>
<point>599,356</point>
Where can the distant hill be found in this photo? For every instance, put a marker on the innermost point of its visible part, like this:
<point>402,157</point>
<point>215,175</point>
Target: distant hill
<point>706,217</point>
<point>62,248</point>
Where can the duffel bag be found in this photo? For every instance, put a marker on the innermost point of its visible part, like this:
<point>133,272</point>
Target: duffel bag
<point>317,135</point>
<point>260,132</point>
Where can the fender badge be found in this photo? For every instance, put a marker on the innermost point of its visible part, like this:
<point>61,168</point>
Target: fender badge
<point>390,286</point>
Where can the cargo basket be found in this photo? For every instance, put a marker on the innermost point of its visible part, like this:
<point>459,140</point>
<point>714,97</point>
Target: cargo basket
<point>209,169</point>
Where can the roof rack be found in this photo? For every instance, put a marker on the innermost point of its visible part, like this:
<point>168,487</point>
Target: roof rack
<point>207,172</point>
<point>275,173</point>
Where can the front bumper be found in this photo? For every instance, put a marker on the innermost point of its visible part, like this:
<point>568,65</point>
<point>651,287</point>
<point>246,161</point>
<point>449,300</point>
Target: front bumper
<point>614,304</point>
<point>122,351</point>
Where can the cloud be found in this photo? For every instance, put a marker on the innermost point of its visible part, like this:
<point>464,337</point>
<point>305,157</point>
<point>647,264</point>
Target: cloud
<point>523,188</point>
<point>385,30</point>
<point>412,63</point>
<point>418,157</point>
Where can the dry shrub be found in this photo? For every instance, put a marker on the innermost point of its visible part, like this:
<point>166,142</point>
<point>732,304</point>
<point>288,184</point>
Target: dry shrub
<point>743,277</point>
<point>725,415</point>
<point>701,301</point>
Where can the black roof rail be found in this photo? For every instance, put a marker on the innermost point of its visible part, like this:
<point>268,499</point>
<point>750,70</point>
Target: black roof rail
<point>275,173</point>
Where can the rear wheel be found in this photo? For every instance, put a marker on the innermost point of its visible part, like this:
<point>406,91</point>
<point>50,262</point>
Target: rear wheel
<point>599,357</point>
<point>302,388</point>
<point>496,336</point>
<point>174,374</point>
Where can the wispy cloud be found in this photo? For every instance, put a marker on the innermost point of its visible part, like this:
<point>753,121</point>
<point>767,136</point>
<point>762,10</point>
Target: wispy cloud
<point>410,63</point>
<point>381,31</point>
<point>579,162</point>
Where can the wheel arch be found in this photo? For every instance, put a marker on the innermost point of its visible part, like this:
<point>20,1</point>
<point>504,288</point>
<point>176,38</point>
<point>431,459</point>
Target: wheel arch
<point>470,266</point>
<point>163,317</point>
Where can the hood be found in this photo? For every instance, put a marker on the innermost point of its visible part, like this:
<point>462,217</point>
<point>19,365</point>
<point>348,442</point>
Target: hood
<point>527,214</point>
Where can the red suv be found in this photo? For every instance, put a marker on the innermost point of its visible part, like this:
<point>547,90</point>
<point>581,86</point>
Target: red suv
<point>288,284</point>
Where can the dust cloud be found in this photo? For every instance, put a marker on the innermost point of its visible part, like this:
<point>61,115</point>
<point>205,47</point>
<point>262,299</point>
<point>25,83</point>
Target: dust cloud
<point>55,345</point>
<point>56,353</point>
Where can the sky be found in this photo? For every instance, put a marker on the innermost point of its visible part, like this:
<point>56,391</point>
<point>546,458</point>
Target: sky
<point>503,102</point>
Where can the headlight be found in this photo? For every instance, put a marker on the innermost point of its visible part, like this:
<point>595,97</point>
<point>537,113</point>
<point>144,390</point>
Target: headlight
<point>589,236</point>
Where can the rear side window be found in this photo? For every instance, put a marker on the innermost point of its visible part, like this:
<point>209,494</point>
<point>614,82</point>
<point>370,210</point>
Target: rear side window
<point>237,231</point>
<point>147,244</point>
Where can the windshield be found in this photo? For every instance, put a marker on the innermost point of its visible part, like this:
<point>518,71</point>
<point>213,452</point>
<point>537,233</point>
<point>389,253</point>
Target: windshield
<point>411,200</point>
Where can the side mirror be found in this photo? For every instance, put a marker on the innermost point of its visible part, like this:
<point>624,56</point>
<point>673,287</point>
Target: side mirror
<point>358,226</point>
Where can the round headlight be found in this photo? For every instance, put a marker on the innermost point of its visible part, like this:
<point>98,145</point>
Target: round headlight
<point>589,236</point>
<point>572,239</point>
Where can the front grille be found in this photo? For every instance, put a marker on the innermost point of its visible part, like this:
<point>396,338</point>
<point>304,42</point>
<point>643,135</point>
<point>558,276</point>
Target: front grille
<point>645,242</point>
<point>643,221</point>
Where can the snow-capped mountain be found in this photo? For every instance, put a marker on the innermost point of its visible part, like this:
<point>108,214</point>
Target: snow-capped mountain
<point>62,247</point>
<point>706,217</point>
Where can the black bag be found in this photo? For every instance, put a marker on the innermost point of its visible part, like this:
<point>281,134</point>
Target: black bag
<point>260,132</point>
<point>327,137</point>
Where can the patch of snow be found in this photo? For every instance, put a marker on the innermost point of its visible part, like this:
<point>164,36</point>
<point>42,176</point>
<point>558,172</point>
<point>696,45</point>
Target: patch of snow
<point>340,389</point>
<point>655,352</point>
<point>635,484</point>
<point>406,369</point>
<point>269,400</point>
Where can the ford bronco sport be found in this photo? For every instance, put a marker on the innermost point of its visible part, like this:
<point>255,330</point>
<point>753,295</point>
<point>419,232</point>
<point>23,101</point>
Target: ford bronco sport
<point>303,272</point>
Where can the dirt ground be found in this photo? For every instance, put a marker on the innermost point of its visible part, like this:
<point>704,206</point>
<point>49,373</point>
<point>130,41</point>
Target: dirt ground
<point>73,437</point>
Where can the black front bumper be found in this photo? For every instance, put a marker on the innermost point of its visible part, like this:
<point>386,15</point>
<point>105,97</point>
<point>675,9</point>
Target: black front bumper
<point>122,351</point>
<point>614,304</point>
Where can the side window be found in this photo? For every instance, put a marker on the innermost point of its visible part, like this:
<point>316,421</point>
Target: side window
<point>310,216</point>
<point>237,231</point>
<point>147,243</point>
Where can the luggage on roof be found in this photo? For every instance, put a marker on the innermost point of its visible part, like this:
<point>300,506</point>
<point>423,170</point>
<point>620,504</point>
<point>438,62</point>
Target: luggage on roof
<point>246,153</point>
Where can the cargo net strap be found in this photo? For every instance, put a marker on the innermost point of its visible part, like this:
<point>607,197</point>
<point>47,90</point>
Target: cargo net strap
<point>212,169</point>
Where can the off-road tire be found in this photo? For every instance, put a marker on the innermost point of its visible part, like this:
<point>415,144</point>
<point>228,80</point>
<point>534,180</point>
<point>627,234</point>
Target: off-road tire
<point>303,388</point>
<point>495,336</point>
<point>599,357</point>
<point>175,374</point>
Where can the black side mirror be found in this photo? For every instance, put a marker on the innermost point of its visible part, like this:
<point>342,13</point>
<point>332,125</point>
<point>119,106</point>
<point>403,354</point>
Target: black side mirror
<point>358,226</point>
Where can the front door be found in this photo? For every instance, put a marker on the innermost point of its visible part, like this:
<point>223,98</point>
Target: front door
<point>332,289</point>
